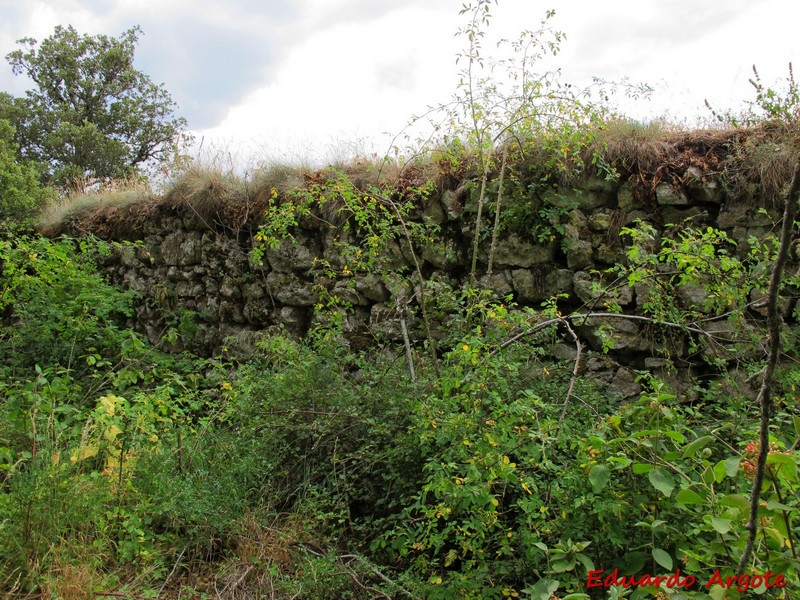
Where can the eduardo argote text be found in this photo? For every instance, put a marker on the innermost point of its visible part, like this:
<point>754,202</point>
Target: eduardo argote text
<point>598,578</point>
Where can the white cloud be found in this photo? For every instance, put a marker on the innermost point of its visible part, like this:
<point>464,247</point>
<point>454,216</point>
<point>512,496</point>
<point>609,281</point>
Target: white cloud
<point>252,74</point>
<point>348,81</point>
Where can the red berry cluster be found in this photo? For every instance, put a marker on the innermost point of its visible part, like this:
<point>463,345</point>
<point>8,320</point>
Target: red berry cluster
<point>751,452</point>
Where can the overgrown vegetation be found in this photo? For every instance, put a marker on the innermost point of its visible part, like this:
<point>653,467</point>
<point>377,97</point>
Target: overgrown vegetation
<point>305,470</point>
<point>468,462</point>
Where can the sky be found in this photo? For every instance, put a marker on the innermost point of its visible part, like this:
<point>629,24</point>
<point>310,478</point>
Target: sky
<point>317,80</point>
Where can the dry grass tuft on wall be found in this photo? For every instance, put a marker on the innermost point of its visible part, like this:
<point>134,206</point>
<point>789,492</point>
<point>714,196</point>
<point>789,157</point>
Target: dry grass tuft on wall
<point>752,164</point>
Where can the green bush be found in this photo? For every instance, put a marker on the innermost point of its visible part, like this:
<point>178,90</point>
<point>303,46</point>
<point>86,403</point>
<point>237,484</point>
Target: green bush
<point>21,195</point>
<point>55,305</point>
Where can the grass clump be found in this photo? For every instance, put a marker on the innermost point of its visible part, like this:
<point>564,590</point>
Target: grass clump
<point>97,211</point>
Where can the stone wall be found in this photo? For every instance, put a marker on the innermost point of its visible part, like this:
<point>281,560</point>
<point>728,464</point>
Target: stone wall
<point>185,264</point>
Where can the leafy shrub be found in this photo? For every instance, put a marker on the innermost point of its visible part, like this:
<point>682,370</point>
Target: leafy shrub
<point>21,195</point>
<point>56,305</point>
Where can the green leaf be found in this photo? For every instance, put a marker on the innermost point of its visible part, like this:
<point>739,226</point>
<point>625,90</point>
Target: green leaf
<point>776,505</point>
<point>576,596</point>
<point>688,496</point>
<point>721,525</point>
<point>599,476</point>
<point>674,435</point>
<point>787,466</point>
<point>775,535</point>
<point>562,566</point>
<point>708,476</point>
<point>732,466</point>
<point>717,592</point>
<point>736,501</point>
<point>663,558</point>
<point>662,480</point>
<point>641,468</point>
<point>693,447</point>
<point>720,471</point>
<point>543,589</point>
<point>585,561</point>
<point>595,441</point>
<point>633,562</point>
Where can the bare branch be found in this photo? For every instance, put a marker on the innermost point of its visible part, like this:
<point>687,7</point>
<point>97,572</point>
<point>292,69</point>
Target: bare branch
<point>774,342</point>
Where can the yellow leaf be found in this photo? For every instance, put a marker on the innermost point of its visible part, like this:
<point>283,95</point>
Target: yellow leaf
<point>108,404</point>
<point>86,452</point>
<point>450,558</point>
<point>112,432</point>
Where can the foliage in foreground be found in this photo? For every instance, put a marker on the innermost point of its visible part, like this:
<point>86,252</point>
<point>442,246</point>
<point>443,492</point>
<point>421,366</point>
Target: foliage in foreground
<point>315,472</point>
<point>21,196</point>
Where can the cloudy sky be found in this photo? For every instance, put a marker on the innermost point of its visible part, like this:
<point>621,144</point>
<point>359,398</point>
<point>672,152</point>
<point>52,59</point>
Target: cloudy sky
<point>293,79</point>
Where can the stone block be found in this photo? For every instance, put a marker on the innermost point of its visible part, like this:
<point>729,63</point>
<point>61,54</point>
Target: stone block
<point>289,289</point>
<point>443,253</point>
<point>513,251</point>
<point>298,254</point>
<point>538,285</point>
<point>498,282</point>
<point>591,290</point>
<point>667,195</point>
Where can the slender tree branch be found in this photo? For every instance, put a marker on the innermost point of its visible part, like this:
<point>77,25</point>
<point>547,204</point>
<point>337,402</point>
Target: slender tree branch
<point>773,344</point>
<point>583,317</point>
<point>496,229</point>
<point>575,370</point>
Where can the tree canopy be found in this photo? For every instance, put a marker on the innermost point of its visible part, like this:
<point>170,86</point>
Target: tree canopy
<point>90,114</point>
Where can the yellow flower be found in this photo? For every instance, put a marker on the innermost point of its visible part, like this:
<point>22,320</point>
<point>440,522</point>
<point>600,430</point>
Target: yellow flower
<point>226,386</point>
<point>465,348</point>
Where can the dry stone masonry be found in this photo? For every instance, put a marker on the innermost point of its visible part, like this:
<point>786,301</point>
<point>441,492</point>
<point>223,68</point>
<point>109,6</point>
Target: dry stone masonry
<point>181,264</point>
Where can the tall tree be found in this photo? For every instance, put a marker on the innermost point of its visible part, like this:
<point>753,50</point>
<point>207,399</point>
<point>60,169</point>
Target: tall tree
<point>91,114</point>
